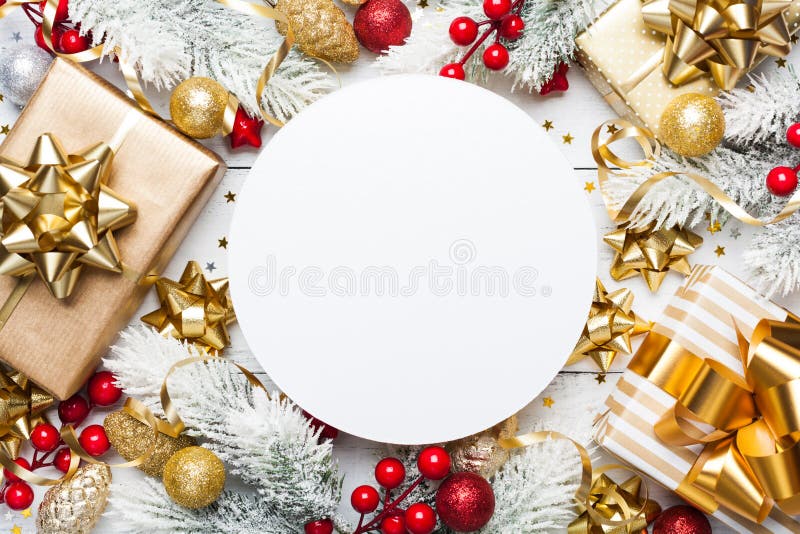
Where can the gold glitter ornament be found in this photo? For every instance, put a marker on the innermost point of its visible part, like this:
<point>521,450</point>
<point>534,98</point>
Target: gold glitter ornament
<point>197,106</point>
<point>76,504</point>
<point>692,125</point>
<point>132,438</point>
<point>194,477</point>
<point>321,29</point>
<point>480,453</point>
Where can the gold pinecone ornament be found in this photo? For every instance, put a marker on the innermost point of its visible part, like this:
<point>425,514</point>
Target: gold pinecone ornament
<point>76,504</point>
<point>481,453</point>
<point>321,29</point>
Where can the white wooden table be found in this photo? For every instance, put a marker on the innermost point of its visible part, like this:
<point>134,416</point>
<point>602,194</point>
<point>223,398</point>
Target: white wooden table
<point>577,394</point>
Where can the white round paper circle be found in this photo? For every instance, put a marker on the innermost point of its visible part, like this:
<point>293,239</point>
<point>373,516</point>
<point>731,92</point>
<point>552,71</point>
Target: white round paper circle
<point>411,260</point>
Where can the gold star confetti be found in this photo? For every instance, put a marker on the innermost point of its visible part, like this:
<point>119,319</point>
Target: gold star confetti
<point>230,196</point>
<point>4,129</point>
<point>612,128</point>
<point>223,243</point>
<point>719,251</point>
<point>714,227</point>
<point>16,529</point>
<point>567,139</point>
<point>423,3</point>
<point>1,98</point>
<point>548,125</point>
<point>547,402</point>
<point>781,62</point>
<point>439,9</point>
<point>26,512</point>
<point>588,187</point>
<point>751,88</point>
<point>600,378</point>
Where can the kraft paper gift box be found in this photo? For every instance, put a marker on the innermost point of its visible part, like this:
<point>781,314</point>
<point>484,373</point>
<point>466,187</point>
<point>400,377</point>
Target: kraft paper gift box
<point>698,318</point>
<point>169,177</point>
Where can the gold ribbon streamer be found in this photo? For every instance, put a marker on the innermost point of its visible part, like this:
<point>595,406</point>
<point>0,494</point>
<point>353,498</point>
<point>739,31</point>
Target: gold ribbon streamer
<point>726,38</point>
<point>750,427</point>
<point>606,159</point>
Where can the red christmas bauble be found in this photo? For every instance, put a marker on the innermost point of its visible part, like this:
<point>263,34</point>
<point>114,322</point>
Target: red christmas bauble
<point>45,437</point>
<point>682,519</point>
<point>496,9</point>
<point>364,499</point>
<point>379,24</point>
<point>94,440</point>
<point>390,473</point>
<point>465,502</point>
<point>453,70</point>
<point>793,134</point>
<point>420,519</point>
<point>72,42</point>
<point>328,431</point>
<point>434,463</point>
<point>782,181</point>
<point>394,524</point>
<point>62,12</point>
<point>62,459</point>
<point>495,57</point>
<point>246,130</point>
<point>322,526</point>
<point>102,389</point>
<point>511,27</point>
<point>73,410</point>
<point>463,31</point>
<point>38,36</point>
<point>23,463</point>
<point>558,82</point>
<point>18,495</point>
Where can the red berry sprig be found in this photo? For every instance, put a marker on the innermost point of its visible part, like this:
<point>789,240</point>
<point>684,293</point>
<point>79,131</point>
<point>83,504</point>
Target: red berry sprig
<point>782,181</point>
<point>66,37</point>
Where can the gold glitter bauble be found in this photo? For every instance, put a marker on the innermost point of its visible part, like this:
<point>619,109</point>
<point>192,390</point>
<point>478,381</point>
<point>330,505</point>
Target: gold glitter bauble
<point>321,29</point>
<point>480,453</point>
<point>197,107</point>
<point>76,504</point>
<point>194,477</point>
<point>131,438</point>
<point>692,125</point>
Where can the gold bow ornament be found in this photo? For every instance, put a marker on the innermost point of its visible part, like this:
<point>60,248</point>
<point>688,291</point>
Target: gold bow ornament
<point>611,501</point>
<point>609,328</point>
<point>725,38</point>
<point>22,405</point>
<point>749,426</point>
<point>194,308</point>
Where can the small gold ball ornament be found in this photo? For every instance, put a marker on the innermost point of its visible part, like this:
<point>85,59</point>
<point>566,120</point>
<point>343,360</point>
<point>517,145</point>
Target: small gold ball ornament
<point>692,125</point>
<point>197,107</point>
<point>194,477</point>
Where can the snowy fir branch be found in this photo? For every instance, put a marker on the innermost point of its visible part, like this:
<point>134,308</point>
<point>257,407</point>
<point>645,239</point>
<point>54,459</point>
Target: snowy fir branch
<point>266,441</point>
<point>169,42</point>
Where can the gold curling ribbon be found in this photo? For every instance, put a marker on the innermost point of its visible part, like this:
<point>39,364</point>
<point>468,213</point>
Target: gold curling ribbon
<point>725,38</point>
<point>749,426</point>
<point>606,159</point>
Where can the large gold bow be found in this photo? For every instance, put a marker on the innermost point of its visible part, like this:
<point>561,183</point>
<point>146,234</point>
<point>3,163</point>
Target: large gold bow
<point>615,502</point>
<point>723,37</point>
<point>750,427</point>
<point>58,215</point>
<point>21,407</point>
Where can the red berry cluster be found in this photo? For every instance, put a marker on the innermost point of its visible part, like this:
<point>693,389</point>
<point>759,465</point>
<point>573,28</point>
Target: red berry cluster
<point>503,20</point>
<point>390,473</point>
<point>67,38</point>
<point>782,181</point>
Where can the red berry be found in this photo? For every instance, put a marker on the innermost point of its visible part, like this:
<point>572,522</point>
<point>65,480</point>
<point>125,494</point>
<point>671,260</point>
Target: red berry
<point>463,31</point>
<point>62,459</point>
<point>23,463</point>
<point>62,13</point>
<point>45,437</point>
<point>102,390</point>
<point>420,519</point>
<point>453,70</point>
<point>73,410</point>
<point>18,495</point>
<point>365,499</point>
<point>782,181</point>
<point>390,473</point>
<point>793,134</point>
<point>495,57</point>
<point>393,524</point>
<point>511,27</point>
<point>72,42</point>
<point>496,9</point>
<point>321,526</point>
<point>434,463</point>
<point>94,440</point>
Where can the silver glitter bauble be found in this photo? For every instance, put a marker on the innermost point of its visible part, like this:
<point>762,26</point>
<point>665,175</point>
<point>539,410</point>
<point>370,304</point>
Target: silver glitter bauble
<point>22,68</point>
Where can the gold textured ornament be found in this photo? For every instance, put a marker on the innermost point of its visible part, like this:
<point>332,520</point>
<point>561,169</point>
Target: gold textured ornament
<point>609,328</point>
<point>321,29</point>
<point>194,477</point>
<point>194,308</point>
<point>481,453</point>
<point>608,499</point>
<point>651,253</point>
<point>692,125</point>
<point>58,215</point>
<point>197,106</point>
<point>76,504</point>
<point>131,438</point>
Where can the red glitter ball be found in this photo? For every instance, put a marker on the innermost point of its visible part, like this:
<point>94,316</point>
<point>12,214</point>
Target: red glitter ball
<point>465,502</point>
<point>682,519</point>
<point>379,24</point>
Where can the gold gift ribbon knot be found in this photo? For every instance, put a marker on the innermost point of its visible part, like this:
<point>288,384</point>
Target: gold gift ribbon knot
<point>749,427</point>
<point>725,38</point>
